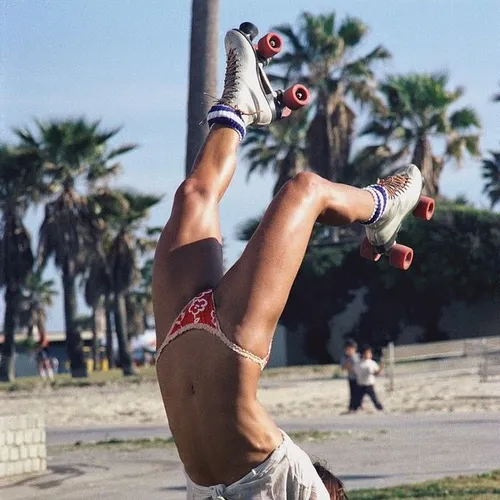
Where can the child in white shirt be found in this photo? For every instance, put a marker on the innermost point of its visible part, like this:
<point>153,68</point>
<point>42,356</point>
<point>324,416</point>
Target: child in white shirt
<point>366,371</point>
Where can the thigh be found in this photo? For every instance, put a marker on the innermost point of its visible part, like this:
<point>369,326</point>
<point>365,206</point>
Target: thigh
<point>188,257</point>
<point>252,294</point>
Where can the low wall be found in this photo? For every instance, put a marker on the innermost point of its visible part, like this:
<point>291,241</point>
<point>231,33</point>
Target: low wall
<point>22,445</point>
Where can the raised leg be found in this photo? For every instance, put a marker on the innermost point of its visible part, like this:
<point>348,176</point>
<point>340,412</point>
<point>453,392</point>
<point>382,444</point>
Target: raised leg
<point>188,257</point>
<point>251,296</point>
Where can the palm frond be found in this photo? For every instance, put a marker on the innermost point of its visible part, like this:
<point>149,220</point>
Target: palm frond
<point>464,119</point>
<point>352,30</point>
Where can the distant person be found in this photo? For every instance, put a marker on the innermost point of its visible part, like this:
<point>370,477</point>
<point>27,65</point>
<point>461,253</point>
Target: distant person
<point>350,361</point>
<point>366,371</point>
<point>55,365</point>
<point>43,359</point>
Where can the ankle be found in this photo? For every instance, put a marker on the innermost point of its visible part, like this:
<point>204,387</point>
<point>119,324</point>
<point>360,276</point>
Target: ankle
<point>226,116</point>
<point>379,195</point>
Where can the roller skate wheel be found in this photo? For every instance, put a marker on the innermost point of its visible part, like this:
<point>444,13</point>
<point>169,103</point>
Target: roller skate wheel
<point>295,97</point>
<point>270,45</point>
<point>249,29</point>
<point>400,256</point>
<point>425,208</point>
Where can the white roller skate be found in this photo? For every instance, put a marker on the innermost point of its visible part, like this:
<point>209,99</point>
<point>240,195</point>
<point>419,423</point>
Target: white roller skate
<point>403,196</point>
<point>246,86</point>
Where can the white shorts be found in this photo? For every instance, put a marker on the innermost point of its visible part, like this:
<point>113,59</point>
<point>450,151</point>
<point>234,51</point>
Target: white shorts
<point>288,474</point>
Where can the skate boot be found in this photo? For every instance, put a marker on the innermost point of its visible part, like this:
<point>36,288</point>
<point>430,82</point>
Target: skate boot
<point>247,89</point>
<point>395,197</point>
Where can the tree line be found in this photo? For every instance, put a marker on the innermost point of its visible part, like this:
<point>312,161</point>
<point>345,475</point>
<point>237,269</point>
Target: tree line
<point>96,236</point>
<point>358,127</point>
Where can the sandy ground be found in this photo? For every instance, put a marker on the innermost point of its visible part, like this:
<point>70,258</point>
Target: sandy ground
<point>284,395</point>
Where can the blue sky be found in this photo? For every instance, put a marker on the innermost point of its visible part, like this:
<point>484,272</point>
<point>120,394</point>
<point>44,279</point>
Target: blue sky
<point>126,61</point>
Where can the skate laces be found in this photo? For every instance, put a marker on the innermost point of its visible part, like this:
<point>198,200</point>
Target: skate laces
<point>395,184</point>
<point>231,81</point>
<point>231,77</point>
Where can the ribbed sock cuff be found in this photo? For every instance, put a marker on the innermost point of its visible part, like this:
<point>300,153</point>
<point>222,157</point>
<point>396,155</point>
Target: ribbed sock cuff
<point>379,195</point>
<point>227,117</point>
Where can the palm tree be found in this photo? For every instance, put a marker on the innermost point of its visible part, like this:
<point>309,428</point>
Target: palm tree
<point>113,278</point>
<point>491,174</point>
<point>202,73</point>
<point>280,148</point>
<point>322,56</point>
<point>418,110</point>
<point>38,295</point>
<point>71,150</point>
<point>20,184</point>
<point>140,297</point>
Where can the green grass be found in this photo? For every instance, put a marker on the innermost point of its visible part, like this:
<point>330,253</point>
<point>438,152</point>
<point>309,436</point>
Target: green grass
<point>482,487</point>
<point>148,374</point>
<point>95,379</point>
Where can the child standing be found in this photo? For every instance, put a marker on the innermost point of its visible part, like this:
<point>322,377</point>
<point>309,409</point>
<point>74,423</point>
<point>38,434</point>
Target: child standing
<point>350,362</point>
<point>366,371</point>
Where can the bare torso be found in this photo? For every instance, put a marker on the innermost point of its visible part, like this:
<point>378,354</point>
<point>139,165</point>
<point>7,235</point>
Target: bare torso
<point>210,394</point>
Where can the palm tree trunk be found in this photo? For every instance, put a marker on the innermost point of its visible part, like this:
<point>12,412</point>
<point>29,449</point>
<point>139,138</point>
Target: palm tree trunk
<point>202,73</point>
<point>125,354</point>
<point>74,346</point>
<point>7,362</point>
<point>422,157</point>
<point>109,333</point>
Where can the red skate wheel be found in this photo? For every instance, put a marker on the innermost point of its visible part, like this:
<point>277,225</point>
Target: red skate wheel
<point>367,251</point>
<point>270,45</point>
<point>425,208</point>
<point>295,97</point>
<point>400,256</point>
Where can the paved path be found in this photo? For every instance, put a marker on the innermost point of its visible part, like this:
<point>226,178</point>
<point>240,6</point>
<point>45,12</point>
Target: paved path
<point>367,451</point>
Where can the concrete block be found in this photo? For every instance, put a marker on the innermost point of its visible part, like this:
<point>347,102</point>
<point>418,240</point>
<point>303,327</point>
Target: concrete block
<point>32,450</point>
<point>9,437</point>
<point>42,451</point>
<point>19,440</point>
<point>36,436</point>
<point>9,468</point>
<point>3,469</point>
<point>28,436</point>
<point>19,469</point>
<point>22,422</point>
<point>28,465</point>
<point>14,454</point>
<point>43,435</point>
<point>4,453</point>
<point>43,464</point>
<point>23,452</point>
<point>13,422</point>
<point>2,437</point>
<point>35,464</point>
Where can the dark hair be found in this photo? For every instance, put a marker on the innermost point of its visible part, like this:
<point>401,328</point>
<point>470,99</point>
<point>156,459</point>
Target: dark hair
<point>350,343</point>
<point>333,484</point>
<point>365,348</point>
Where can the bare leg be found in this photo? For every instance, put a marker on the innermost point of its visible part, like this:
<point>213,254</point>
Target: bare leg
<point>253,293</point>
<point>188,257</point>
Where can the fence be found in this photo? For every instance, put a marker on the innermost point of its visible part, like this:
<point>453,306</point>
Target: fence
<point>480,355</point>
<point>22,445</point>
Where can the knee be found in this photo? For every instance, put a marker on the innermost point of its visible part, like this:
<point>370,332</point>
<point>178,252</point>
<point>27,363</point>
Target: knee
<point>305,186</point>
<point>191,191</point>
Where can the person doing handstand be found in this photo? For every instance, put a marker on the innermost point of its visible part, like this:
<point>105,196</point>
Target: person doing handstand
<point>215,330</point>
